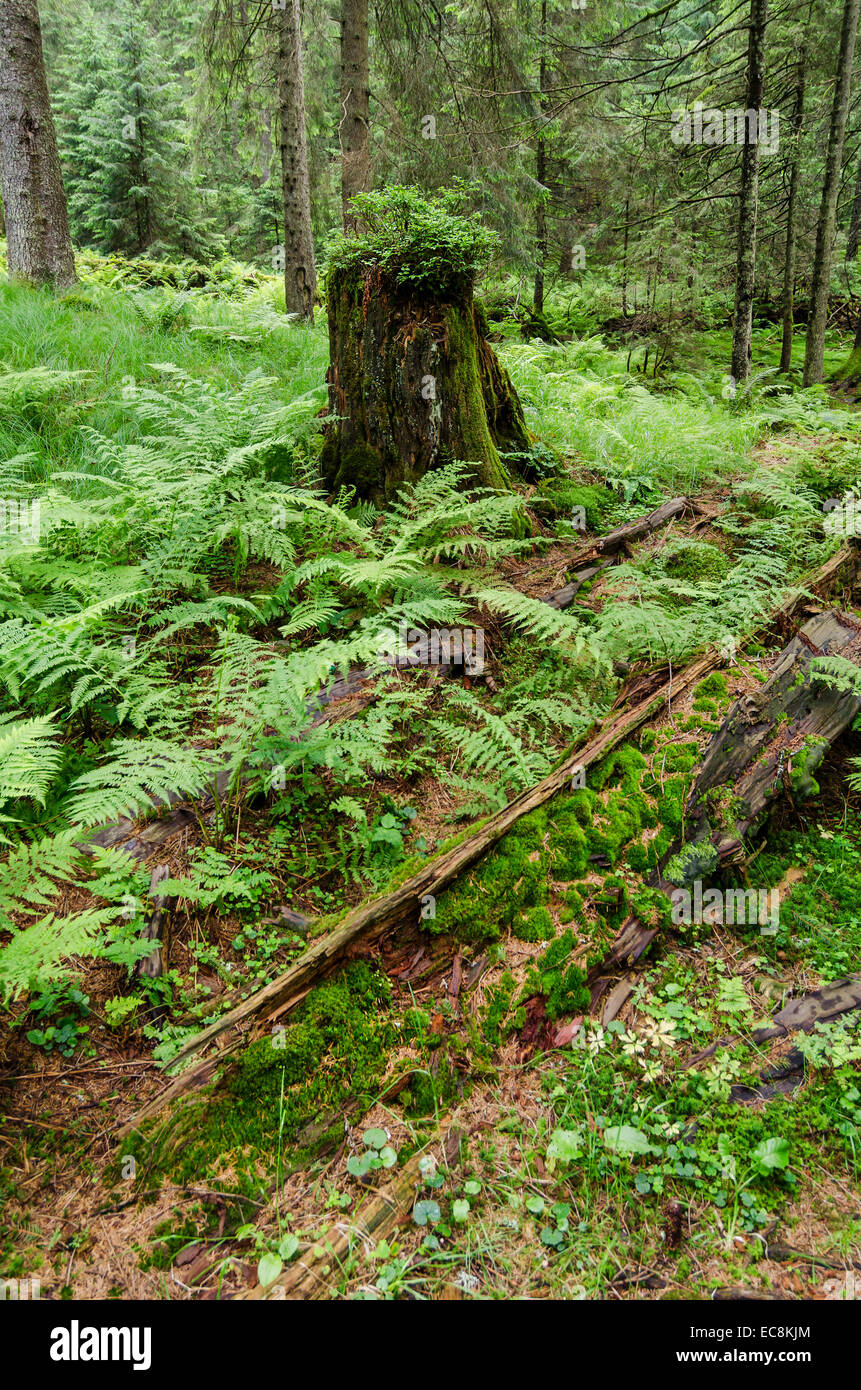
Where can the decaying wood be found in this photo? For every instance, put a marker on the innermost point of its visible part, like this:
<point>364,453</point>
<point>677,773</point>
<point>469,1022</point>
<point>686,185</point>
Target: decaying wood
<point>368,921</point>
<point>151,967</point>
<point>140,842</point>
<point>592,559</point>
<point>785,1075</point>
<point>751,757</point>
<point>371,919</point>
<point>314,1274</point>
<point>764,734</point>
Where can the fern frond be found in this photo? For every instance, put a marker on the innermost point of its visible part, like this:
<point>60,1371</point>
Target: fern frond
<point>139,776</point>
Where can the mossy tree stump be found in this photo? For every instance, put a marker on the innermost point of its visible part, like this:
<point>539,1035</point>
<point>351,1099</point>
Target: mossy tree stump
<point>413,381</point>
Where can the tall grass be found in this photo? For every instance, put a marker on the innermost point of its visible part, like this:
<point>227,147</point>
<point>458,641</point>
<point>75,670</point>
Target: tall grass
<point>118,339</point>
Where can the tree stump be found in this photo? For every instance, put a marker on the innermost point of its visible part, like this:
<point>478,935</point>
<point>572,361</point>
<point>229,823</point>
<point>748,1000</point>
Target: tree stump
<point>413,384</point>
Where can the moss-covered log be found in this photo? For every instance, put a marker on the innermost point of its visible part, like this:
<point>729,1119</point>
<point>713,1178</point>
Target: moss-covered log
<point>412,384</point>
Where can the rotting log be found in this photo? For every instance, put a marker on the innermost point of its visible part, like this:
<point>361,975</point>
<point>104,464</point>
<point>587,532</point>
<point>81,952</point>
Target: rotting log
<point>771,742</point>
<point>370,920</point>
<point>752,753</point>
<point>367,922</point>
<point>152,967</point>
<point>589,561</point>
<point>313,1274</point>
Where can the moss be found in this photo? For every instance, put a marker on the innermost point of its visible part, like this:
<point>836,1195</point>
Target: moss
<point>715,684</point>
<point>498,1008</point>
<point>357,465</point>
<point>563,984</point>
<point>623,767</point>
<point>535,925</point>
<point>559,497</point>
<point>705,706</point>
<point>509,880</point>
<point>652,907</point>
<point>803,764</point>
<point>689,560</point>
<point>334,1054</point>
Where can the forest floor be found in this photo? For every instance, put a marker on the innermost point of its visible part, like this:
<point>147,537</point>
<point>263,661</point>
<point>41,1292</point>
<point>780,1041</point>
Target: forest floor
<point>534,1143</point>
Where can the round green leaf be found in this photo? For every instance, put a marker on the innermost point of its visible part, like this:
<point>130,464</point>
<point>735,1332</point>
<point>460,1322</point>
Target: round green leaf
<point>288,1247</point>
<point>426,1212</point>
<point>375,1138</point>
<point>269,1266</point>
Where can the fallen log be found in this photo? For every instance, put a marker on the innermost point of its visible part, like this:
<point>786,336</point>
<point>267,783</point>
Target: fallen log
<point>785,728</point>
<point>593,558</point>
<point>314,1274</point>
<point>768,745</point>
<point>419,651</point>
<point>371,919</point>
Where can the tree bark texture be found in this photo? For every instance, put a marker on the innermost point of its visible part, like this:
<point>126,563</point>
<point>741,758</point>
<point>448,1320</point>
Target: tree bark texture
<point>37,224</point>
<point>300,275</point>
<point>814,349</point>
<point>748,199</point>
<point>354,129</point>
<point>414,384</point>
<point>792,213</point>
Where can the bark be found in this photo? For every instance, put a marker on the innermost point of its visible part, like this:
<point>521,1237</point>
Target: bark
<point>773,741</point>
<point>748,199</point>
<point>854,221</point>
<point>814,351</point>
<point>354,129</point>
<point>625,262</point>
<point>414,384</point>
<point>792,212</point>
<point>541,177</point>
<point>31,181</point>
<point>769,745</point>
<point>315,1274</point>
<point>300,275</point>
<point>850,372</point>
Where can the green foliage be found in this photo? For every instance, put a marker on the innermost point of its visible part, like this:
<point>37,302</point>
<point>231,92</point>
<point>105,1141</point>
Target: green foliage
<point>420,243</point>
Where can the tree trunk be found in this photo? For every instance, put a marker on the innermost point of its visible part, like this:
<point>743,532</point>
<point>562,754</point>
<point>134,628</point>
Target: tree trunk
<point>37,224</point>
<point>791,212</point>
<point>748,199</point>
<point>300,275</point>
<point>354,129</point>
<point>850,372</point>
<point>854,221</point>
<point>541,177</point>
<point>814,351</point>
<point>416,385</point>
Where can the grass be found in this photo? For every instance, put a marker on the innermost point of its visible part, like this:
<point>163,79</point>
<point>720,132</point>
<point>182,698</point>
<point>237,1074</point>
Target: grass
<point>117,338</point>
